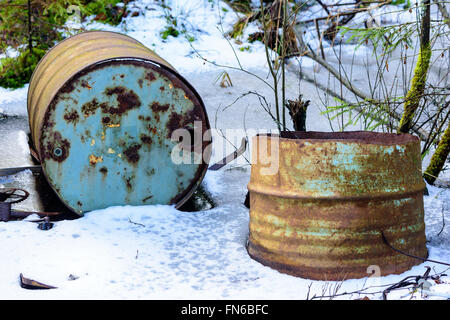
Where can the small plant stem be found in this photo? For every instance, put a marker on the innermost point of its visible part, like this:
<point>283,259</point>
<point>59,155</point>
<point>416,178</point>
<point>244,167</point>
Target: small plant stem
<point>269,62</point>
<point>392,113</point>
<point>283,72</point>
<point>319,36</point>
<point>30,38</point>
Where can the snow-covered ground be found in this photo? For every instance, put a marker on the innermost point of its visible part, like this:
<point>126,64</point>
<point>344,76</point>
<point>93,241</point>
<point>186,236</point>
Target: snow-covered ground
<point>158,252</point>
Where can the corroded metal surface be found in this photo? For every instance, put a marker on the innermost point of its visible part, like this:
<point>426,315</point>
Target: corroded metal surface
<point>321,215</point>
<point>102,109</point>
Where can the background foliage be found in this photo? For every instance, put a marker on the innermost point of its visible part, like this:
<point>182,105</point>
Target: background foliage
<point>29,28</point>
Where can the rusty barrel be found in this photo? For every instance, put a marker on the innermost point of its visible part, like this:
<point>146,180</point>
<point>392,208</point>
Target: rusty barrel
<point>102,109</point>
<point>322,213</point>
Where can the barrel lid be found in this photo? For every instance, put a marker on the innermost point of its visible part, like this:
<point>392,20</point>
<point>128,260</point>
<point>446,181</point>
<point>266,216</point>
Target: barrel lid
<point>110,136</point>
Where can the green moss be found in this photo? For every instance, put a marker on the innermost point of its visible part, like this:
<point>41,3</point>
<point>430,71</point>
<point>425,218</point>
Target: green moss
<point>16,72</point>
<point>106,11</point>
<point>169,31</point>
<point>47,18</point>
<point>238,28</point>
<point>439,157</point>
<point>417,89</point>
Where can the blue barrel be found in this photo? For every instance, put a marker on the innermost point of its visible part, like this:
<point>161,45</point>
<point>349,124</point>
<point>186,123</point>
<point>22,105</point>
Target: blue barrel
<point>102,110</point>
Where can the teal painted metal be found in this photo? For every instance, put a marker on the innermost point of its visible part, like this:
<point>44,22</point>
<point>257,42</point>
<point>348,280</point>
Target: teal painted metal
<point>106,136</point>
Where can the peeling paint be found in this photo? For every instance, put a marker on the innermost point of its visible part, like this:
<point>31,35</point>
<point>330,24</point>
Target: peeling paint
<point>321,215</point>
<point>112,102</point>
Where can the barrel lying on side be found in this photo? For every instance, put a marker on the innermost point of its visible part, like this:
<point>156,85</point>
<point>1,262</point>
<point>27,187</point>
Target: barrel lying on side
<point>102,109</point>
<point>322,214</point>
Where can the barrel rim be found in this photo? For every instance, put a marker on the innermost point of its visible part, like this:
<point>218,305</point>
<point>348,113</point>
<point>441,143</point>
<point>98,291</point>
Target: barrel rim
<point>286,194</point>
<point>358,136</point>
<point>201,171</point>
<point>71,37</point>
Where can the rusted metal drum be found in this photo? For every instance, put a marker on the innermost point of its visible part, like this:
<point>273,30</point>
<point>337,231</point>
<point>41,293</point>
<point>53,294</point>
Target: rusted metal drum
<point>102,109</point>
<point>322,214</point>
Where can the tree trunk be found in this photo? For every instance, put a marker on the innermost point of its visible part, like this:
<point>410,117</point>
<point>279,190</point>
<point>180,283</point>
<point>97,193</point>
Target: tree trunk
<point>420,73</point>
<point>439,157</point>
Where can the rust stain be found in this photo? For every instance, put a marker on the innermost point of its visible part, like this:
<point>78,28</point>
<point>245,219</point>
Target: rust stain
<point>132,153</point>
<point>56,148</point>
<point>68,88</point>
<point>106,120</point>
<point>146,139</point>
<point>128,183</point>
<point>85,84</point>
<point>156,107</point>
<point>104,171</point>
<point>93,160</point>
<point>142,118</point>
<point>320,215</point>
<point>176,121</point>
<point>150,76</point>
<point>71,116</point>
<point>89,108</point>
<point>152,130</point>
<point>126,98</point>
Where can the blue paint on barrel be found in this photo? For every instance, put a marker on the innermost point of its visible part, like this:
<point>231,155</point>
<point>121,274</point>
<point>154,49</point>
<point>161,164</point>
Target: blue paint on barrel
<point>106,137</point>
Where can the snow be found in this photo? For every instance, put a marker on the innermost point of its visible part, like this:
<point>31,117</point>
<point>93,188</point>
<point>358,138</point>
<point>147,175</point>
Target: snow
<point>158,252</point>
<point>13,102</point>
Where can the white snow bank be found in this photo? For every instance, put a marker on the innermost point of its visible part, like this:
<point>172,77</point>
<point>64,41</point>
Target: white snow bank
<point>13,102</point>
<point>158,252</point>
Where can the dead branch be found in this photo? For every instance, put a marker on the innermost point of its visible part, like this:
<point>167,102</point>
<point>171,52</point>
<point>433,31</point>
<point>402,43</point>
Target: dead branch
<point>350,12</point>
<point>410,255</point>
<point>297,111</point>
<point>136,223</point>
<point>444,12</point>
<point>331,32</point>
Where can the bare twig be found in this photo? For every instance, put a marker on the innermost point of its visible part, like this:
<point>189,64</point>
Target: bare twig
<point>136,223</point>
<point>351,12</point>
<point>410,255</point>
<point>443,221</point>
<point>392,113</point>
<point>269,62</point>
<point>443,11</point>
